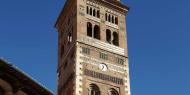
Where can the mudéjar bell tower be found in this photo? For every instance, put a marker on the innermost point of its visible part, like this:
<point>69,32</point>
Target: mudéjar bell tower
<point>92,48</point>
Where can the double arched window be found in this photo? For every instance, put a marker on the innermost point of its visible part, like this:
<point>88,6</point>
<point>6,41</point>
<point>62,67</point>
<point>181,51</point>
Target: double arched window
<point>93,11</point>
<point>112,38</point>
<point>93,90</point>
<point>93,32</point>
<point>113,92</point>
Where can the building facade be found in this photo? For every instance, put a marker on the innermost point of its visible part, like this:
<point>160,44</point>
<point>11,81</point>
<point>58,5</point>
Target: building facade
<point>92,48</point>
<point>15,82</point>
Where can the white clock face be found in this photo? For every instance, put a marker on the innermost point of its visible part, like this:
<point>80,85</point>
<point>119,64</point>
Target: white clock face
<point>103,67</point>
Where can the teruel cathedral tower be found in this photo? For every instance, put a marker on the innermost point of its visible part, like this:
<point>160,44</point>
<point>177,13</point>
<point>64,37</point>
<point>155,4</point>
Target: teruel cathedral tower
<point>92,48</point>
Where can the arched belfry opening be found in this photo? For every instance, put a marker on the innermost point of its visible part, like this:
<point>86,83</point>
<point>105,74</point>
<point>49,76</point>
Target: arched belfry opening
<point>93,90</point>
<point>89,29</point>
<point>97,32</point>
<point>113,92</point>
<point>115,39</point>
<point>108,36</point>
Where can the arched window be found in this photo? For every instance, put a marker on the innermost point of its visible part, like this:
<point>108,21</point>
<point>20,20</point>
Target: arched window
<point>98,13</point>
<point>90,11</point>
<point>70,38</point>
<point>109,18</point>
<point>116,20</point>
<point>113,19</point>
<point>97,32</point>
<point>94,12</point>
<point>1,91</point>
<point>106,16</point>
<point>108,36</point>
<point>87,10</point>
<point>113,92</point>
<point>93,90</point>
<point>115,39</point>
<point>89,29</point>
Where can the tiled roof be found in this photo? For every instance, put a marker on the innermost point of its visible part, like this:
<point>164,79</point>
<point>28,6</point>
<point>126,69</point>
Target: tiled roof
<point>7,68</point>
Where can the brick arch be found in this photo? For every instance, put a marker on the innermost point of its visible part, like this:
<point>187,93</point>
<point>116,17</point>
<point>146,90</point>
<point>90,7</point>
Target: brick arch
<point>93,89</point>
<point>113,91</point>
<point>6,87</point>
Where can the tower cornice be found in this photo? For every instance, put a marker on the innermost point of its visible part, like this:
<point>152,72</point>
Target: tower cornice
<point>115,4</point>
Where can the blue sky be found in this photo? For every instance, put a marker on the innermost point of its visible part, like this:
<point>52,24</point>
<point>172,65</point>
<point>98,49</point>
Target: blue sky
<point>158,41</point>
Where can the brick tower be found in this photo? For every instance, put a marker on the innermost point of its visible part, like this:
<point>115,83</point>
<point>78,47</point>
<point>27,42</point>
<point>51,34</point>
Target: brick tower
<point>92,48</point>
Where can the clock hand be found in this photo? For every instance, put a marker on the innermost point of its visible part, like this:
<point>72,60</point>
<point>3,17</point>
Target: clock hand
<point>103,67</point>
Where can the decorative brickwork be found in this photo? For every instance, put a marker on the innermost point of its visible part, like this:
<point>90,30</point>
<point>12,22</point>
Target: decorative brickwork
<point>94,32</point>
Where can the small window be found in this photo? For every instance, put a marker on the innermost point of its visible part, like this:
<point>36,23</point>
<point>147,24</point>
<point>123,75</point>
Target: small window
<point>120,61</point>
<point>116,20</point>
<point>113,19</point>
<point>70,38</point>
<point>85,50</point>
<point>103,56</point>
<point>109,18</point>
<point>106,16</point>
<point>87,10</point>
<point>98,13</point>
<point>90,11</point>
<point>94,12</point>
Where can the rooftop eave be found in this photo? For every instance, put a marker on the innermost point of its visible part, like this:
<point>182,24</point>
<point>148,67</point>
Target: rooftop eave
<point>116,4</point>
<point>21,73</point>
